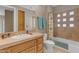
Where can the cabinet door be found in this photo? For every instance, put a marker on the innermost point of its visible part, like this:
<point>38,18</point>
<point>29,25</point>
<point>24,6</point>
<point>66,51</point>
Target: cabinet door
<point>19,47</point>
<point>5,51</point>
<point>40,41</point>
<point>39,45</point>
<point>29,50</point>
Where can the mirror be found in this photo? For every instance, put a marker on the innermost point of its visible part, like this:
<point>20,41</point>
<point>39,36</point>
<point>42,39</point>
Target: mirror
<point>6,19</point>
<point>31,21</point>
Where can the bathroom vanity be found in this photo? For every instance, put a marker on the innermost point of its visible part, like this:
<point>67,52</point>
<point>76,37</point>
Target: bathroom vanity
<point>22,43</point>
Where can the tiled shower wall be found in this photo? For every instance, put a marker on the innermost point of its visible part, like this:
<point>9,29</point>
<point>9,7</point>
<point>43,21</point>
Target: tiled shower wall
<point>63,26</point>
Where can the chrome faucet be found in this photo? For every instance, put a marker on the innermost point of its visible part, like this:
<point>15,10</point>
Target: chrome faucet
<point>2,36</point>
<point>8,34</point>
<point>5,35</point>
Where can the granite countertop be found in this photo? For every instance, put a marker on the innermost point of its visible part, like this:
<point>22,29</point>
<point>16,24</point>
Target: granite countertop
<point>7,42</point>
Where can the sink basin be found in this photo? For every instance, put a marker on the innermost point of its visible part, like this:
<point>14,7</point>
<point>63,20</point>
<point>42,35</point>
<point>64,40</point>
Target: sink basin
<point>21,36</point>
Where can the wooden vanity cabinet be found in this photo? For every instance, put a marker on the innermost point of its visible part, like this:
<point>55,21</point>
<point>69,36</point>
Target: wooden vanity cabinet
<point>31,46</point>
<point>39,46</point>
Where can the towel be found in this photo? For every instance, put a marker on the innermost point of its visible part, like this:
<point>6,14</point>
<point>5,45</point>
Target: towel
<point>40,25</point>
<point>41,22</point>
<point>44,23</point>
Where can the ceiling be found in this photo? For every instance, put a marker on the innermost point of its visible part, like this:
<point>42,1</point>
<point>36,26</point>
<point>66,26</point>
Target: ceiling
<point>34,7</point>
<point>31,7</point>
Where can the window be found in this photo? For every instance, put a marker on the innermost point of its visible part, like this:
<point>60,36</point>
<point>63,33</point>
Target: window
<point>64,14</point>
<point>58,25</point>
<point>71,19</point>
<point>71,13</point>
<point>71,25</point>
<point>64,19</point>
<point>64,25</point>
<point>58,20</point>
<point>58,15</point>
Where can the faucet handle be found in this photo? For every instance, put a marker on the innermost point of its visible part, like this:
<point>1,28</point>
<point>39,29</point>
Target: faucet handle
<point>8,34</point>
<point>5,35</point>
<point>2,36</point>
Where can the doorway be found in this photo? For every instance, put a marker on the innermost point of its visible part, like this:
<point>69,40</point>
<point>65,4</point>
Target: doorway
<point>21,20</point>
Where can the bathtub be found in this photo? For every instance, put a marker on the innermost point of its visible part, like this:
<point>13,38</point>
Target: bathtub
<point>71,46</point>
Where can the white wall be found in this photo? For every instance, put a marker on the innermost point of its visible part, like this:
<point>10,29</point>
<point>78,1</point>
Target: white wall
<point>15,19</point>
<point>1,24</point>
<point>2,14</point>
<point>27,19</point>
<point>2,11</point>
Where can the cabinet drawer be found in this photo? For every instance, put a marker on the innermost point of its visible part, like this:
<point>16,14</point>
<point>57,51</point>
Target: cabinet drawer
<point>39,47</point>
<point>21,47</point>
<point>40,51</point>
<point>5,51</point>
<point>30,50</point>
<point>40,40</point>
